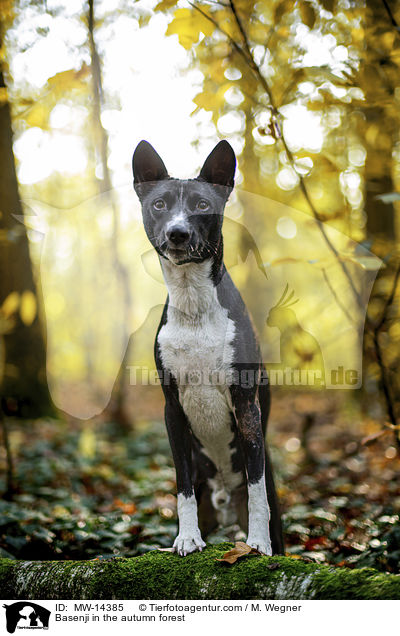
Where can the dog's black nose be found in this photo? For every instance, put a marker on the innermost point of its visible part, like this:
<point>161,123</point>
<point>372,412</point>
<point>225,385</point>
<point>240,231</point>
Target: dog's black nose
<point>178,235</point>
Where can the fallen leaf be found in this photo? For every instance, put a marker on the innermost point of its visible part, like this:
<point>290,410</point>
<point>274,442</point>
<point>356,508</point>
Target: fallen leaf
<point>127,508</point>
<point>273,566</point>
<point>310,543</point>
<point>240,550</point>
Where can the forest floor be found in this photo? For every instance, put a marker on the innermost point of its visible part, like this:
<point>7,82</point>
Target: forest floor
<point>87,490</point>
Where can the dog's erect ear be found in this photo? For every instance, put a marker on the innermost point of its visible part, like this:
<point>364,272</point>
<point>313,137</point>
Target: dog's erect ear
<point>147,165</point>
<point>219,167</point>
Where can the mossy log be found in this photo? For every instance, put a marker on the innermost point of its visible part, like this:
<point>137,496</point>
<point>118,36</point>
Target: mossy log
<point>162,575</point>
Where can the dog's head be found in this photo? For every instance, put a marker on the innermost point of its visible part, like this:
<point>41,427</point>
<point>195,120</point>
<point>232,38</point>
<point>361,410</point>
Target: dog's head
<point>183,218</point>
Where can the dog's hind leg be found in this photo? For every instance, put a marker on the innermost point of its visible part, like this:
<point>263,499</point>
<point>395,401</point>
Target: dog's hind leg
<point>206,511</point>
<point>275,524</point>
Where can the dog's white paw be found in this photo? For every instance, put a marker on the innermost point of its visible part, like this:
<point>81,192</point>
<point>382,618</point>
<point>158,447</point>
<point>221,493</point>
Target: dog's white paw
<point>261,545</point>
<point>185,544</point>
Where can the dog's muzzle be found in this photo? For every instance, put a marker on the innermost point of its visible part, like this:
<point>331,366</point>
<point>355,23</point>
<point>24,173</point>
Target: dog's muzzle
<point>178,237</point>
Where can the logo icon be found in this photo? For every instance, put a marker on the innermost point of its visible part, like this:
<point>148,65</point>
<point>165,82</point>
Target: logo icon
<point>26,615</point>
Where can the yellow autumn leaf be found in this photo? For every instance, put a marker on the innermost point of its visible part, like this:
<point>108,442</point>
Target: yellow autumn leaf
<point>283,7</point>
<point>211,101</point>
<point>358,34</point>
<point>388,39</point>
<point>87,443</point>
<point>10,304</point>
<point>69,80</point>
<point>37,116</point>
<point>258,33</point>
<point>165,5</point>
<point>28,307</point>
<point>60,511</point>
<point>228,22</point>
<point>6,9</point>
<point>188,25</point>
<point>307,14</point>
<point>372,134</point>
<point>204,101</point>
<point>3,95</point>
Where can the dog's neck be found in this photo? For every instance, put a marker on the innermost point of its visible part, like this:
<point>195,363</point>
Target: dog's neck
<point>192,286</point>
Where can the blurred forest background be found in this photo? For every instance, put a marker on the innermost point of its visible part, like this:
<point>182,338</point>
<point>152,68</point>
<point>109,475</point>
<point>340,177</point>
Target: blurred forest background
<point>308,94</point>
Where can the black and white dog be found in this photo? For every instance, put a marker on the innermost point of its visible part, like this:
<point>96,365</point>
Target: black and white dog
<point>208,358</point>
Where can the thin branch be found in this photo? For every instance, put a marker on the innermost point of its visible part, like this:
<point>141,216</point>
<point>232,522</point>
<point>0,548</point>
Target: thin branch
<point>250,56</point>
<point>390,14</point>
<point>336,297</point>
<point>233,42</point>
<point>389,300</point>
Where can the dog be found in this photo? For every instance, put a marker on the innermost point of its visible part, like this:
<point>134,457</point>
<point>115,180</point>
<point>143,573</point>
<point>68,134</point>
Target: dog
<point>208,358</point>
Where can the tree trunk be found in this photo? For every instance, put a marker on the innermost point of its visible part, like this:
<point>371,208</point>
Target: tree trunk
<point>24,386</point>
<point>381,125</point>
<point>117,405</point>
<point>161,575</point>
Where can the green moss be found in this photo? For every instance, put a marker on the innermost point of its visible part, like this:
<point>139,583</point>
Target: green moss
<point>163,575</point>
<point>5,567</point>
<point>364,583</point>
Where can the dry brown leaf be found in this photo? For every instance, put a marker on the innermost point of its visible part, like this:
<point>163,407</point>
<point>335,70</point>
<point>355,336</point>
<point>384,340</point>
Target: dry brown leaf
<point>274,566</point>
<point>241,549</point>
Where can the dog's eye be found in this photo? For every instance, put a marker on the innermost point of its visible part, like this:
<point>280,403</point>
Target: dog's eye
<point>159,204</point>
<point>203,205</point>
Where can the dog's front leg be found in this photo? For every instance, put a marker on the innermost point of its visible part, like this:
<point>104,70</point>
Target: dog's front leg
<point>189,537</point>
<point>248,419</point>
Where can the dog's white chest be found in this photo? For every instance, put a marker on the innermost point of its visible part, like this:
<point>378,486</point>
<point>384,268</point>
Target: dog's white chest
<point>196,346</point>
<point>197,340</point>
<point>195,350</point>
<point>199,356</point>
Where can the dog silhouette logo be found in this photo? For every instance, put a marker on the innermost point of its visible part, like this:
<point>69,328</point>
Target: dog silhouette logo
<point>26,615</point>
